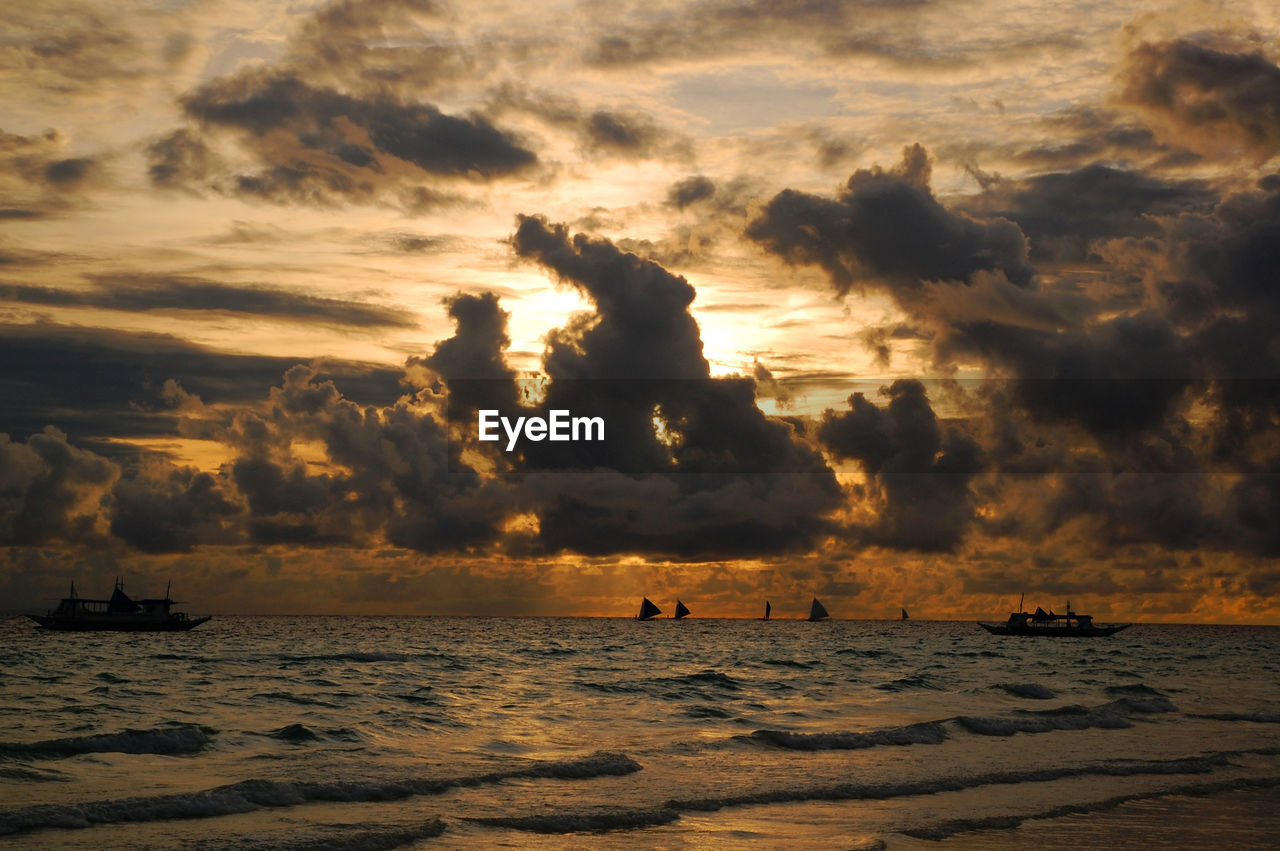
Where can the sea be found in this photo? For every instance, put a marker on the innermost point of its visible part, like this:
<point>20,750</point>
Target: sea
<point>420,732</point>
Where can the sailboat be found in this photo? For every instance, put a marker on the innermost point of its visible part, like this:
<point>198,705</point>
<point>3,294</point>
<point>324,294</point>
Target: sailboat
<point>647,610</point>
<point>681,610</point>
<point>767,609</point>
<point>818,611</point>
<point>905,616</point>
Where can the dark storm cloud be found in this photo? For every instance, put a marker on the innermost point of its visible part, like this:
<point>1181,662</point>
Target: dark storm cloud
<point>338,124</point>
<point>919,476</point>
<point>98,382</point>
<point>397,474</point>
<point>175,294</point>
<point>472,361</point>
<point>321,146</point>
<point>171,511</point>
<point>718,477</point>
<point>48,489</point>
<point>1084,135</point>
<point>1207,93</point>
<point>1113,377</point>
<point>1063,214</point>
<point>690,191</point>
<point>888,226</point>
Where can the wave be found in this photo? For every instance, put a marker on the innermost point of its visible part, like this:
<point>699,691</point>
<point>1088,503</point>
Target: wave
<point>1255,717</point>
<point>32,775</point>
<point>1134,689</point>
<point>172,739</point>
<point>294,733</point>
<point>1030,691</point>
<point>249,795</point>
<point>947,829</point>
<point>599,820</point>
<point>341,838</point>
<point>589,821</point>
<point>1110,716</point>
<point>929,733</point>
<point>705,678</point>
<point>909,788</point>
<point>918,681</point>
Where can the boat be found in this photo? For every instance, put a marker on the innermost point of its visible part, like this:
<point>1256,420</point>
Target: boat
<point>818,611</point>
<point>119,614</point>
<point>767,609</point>
<point>905,616</point>
<point>647,610</point>
<point>681,610</point>
<point>1052,625</point>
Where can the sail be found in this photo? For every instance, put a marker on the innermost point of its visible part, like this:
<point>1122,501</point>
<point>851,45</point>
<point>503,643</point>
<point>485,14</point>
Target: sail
<point>905,616</point>
<point>818,611</point>
<point>681,610</point>
<point>767,609</point>
<point>647,610</point>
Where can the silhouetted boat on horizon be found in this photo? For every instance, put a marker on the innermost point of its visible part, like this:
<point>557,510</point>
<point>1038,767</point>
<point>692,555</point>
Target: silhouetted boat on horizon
<point>648,610</point>
<point>905,616</point>
<point>119,614</point>
<point>767,609</point>
<point>1051,625</point>
<point>817,611</point>
<point>681,610</point>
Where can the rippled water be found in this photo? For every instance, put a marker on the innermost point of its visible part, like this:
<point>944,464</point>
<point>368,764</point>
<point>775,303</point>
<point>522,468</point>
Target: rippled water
<point>390,732</point>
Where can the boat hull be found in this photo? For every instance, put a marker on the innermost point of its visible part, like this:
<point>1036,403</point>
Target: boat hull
<point>1053,631</point>
<point>116,624</point>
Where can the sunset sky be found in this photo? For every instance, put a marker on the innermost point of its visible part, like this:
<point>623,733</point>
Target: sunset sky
<point>924,303</point>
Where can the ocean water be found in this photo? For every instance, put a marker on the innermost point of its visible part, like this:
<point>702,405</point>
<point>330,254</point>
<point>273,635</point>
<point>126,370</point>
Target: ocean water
<point>342,732</point>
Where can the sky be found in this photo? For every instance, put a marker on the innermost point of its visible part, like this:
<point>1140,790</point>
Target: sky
<point>921,304</point>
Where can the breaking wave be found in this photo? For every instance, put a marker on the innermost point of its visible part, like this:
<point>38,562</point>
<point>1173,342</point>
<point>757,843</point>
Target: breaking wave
<point>929,733</point>
<point>1029,691</point>
<point>948,829</point>
<point>249,795</point>
<point>344,838</point>
<point>589,821</point>
<point>172,739</point>
<point>1255,717</point>
<point>1110,716</point>
<point>882,791</point>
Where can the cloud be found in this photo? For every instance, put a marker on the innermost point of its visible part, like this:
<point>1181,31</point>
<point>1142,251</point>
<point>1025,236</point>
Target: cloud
<point>888,229</point>
<point>103,383</point>
<point>919,476</point>
<point>50,490</point>
<point>1212,97</point>
<point>38,179</point>
<point>148,293</point>
<point>619,133</point>
<point>171,510</point>
<point>1063,214</point>
<point>317,145</point>
<point>695,468</point>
